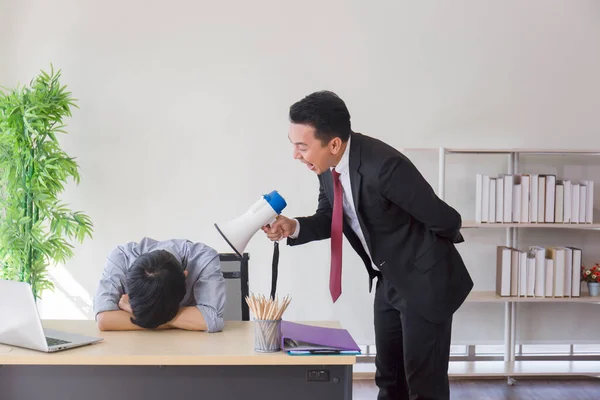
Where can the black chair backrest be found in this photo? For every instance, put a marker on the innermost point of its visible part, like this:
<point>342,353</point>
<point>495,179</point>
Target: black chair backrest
<point>235,272</point>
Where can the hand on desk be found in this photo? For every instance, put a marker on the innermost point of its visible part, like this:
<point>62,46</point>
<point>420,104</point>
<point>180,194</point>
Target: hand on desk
<point>280,229</point>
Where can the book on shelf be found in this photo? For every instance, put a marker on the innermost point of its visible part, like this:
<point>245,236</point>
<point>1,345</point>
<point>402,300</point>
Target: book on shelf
<point>553,271</point>
<point>538,254</point>
<point>533,198</point>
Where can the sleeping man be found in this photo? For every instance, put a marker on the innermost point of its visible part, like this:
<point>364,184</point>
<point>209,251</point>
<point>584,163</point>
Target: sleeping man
<point>161,285</point>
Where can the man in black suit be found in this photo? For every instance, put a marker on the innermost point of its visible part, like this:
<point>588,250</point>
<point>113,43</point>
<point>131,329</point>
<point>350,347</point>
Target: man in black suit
<point>402,231</point>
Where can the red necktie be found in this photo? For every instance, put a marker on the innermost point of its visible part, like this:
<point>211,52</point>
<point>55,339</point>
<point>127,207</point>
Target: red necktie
<point>335,274</point>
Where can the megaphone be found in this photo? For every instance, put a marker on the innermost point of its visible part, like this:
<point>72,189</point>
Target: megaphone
<point>238,231</point>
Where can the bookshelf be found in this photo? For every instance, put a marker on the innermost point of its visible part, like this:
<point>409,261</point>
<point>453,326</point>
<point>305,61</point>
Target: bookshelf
<point>450,150</point>
<point>509,367</point>
<point>524,225</point>
<point>538,368</point>
<point>484,296</point>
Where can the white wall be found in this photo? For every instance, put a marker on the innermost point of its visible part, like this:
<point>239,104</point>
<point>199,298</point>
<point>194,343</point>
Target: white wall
<point>183,114</point>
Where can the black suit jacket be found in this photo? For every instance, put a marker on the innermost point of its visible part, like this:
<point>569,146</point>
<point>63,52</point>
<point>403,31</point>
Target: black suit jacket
<point>409,230</point>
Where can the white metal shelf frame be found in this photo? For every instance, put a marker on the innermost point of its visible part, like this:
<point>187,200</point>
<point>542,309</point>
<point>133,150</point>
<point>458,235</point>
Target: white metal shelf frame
<point>512,238</point>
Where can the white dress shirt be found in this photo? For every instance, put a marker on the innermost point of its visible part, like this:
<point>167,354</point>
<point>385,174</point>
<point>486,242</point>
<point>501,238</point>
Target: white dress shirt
<point>343,168</point>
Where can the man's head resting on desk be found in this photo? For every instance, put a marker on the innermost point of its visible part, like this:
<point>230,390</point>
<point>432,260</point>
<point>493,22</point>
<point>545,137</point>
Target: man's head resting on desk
<point>156,286</point>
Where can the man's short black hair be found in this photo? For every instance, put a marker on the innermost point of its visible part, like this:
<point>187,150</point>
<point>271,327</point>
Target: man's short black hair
<point>325,112</point>
<point>156,286</point>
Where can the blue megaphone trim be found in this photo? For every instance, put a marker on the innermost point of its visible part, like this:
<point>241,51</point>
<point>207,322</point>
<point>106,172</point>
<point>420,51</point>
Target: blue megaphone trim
<point>275,201</point>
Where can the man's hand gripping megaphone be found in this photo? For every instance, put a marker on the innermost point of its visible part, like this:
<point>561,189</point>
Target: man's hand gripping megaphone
<point>282,228</point>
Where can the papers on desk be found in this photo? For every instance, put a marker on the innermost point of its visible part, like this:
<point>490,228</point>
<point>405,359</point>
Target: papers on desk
<point>300,339</point>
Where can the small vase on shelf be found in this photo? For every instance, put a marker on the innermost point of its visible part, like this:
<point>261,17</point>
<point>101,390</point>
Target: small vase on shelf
<point>594,288</point>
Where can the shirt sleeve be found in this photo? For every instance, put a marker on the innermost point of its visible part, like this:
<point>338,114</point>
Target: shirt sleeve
<point>209,289</point>
<point>112,283</point>
<point>296,231</point>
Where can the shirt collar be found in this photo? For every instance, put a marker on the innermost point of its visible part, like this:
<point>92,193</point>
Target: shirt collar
<point>344,164</point>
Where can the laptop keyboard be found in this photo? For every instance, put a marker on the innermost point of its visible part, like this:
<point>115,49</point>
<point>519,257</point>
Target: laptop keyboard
<point>55,342</point>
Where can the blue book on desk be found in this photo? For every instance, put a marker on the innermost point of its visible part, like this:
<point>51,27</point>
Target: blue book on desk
<point>301,339</point>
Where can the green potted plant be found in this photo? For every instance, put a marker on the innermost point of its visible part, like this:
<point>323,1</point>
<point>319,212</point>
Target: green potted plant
<point>592,277</point>
<point>35,225</point>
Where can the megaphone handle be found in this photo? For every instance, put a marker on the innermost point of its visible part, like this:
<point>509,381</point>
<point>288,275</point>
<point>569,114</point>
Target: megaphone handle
<point>274,270</point>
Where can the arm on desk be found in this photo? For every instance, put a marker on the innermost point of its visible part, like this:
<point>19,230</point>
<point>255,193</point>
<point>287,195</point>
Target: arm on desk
<point>189,318</point>
<point>120,320</point>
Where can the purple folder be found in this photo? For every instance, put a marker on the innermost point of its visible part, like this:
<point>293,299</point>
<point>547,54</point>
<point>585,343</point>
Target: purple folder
<point>300,337</point>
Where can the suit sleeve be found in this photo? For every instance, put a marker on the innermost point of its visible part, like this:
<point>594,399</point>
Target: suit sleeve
<point>317,226</point>
<point>402,184</point>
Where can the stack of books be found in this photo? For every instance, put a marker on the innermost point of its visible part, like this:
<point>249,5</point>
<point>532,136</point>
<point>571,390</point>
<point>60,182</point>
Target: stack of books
<point>538,272</point>
<point>533,198</point>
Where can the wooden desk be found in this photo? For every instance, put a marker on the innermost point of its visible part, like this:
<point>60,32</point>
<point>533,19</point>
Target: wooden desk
<point>170,364</point>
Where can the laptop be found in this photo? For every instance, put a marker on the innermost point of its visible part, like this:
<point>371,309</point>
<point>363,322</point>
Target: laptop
<point>20,323</point>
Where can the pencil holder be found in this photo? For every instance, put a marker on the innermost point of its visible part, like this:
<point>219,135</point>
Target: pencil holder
<point>267,335</point>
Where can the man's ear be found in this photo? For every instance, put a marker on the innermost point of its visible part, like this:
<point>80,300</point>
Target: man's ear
<point>335,145</point>
<point>185,273</point>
